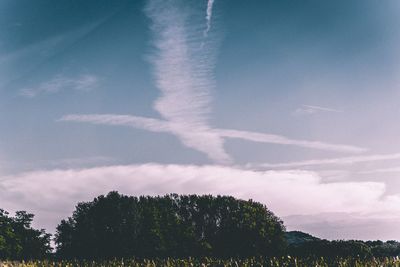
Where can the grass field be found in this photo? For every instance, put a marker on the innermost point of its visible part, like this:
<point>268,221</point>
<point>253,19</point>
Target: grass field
<point>274,262</point>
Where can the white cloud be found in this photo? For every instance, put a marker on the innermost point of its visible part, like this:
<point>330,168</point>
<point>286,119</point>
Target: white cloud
<point>86,82</point>
<point>333,161</point>
<point>59,83</point>
<point>149,124</point>
<point>202,139</point>
<point>310,109</point>
<point>209,13</point>
<point>278,139</point>
<point>284,192</point>
<point>183,67</point>
<point>381,170</point>
<point>16,65</point>
<point>183,73</point>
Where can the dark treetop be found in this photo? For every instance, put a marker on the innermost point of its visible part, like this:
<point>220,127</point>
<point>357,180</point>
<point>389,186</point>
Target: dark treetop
<point>172,225</point>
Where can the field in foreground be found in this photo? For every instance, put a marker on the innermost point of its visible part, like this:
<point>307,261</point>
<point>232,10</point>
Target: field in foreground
<point>273,262</point>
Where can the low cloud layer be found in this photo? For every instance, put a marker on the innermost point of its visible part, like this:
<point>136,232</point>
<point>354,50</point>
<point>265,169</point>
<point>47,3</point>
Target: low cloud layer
<point>286,193</point>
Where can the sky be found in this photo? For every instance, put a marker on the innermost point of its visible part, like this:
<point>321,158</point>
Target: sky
<point>294,104</point>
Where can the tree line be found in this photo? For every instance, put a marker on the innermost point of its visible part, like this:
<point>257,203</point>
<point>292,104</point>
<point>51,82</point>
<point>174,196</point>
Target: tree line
<point>119,226</point>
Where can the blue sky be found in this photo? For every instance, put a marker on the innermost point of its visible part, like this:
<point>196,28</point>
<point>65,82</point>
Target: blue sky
<point>291,103</point>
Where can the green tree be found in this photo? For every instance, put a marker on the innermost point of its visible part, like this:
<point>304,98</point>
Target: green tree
<point>172,225</point>
<point>18,240</point>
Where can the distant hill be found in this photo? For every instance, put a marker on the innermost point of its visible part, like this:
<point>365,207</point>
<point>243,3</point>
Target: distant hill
<point>298,237</point>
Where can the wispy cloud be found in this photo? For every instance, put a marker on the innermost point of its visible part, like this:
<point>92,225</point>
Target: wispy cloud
<point>57,191</point>
<point>59,83</point>
<point>381,170</point>
<point>150,124</point>
<point>210,4</point>
<point>333,161</point>
<point>309,109</point>
<point>183,74</point>
<point>71,162</point>
<point>282,140</point>
<point>156,125</point>
<point>183,69</point>
<point>18,65</point>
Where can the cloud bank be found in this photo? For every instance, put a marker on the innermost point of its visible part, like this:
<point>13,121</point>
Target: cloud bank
<point>285,192</point>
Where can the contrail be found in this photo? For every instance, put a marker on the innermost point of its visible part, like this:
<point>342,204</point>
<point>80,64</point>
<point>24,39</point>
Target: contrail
<point>205,140</point>
<point>183,74</point>
<point>334,161</point>
<point>184,77</point>
<point>210,4</point>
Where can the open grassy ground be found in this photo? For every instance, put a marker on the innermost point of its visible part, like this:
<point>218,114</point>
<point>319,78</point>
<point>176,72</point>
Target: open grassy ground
<point>285,261</point>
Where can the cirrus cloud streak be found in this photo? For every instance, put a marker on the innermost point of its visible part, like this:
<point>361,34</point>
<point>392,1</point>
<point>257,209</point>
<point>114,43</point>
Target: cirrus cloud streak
<point>156,125</point>
<point>333,161</point>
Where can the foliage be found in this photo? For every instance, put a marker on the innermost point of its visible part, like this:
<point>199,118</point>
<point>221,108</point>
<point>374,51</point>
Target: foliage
<point>164,229</point>
<point>328,249</point>
<point>304,245</point>
<point>18,240</point>
<point>384,249</point>
<point>169,226</point>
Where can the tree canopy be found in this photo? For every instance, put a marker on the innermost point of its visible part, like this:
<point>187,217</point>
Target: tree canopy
<point>169,226</point>
<point>18,240</point>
